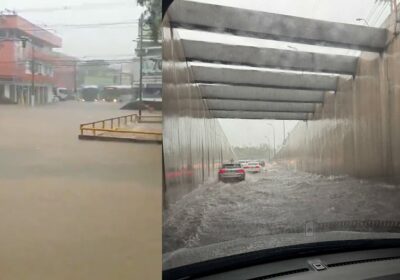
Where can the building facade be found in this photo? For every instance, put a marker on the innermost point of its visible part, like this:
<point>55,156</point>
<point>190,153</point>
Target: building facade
<point>27,61</point>
<point>151,69</point>
<point>65,72</point>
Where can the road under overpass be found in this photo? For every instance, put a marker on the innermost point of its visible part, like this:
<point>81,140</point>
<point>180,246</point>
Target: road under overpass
<point>347,105</point>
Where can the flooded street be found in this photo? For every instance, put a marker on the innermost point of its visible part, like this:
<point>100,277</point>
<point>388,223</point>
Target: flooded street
<point>280,202</point>
<point>73,209</point>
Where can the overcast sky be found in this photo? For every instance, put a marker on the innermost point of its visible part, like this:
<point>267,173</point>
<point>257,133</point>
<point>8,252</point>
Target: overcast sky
<point>255,132</point>
<point>109,42</point>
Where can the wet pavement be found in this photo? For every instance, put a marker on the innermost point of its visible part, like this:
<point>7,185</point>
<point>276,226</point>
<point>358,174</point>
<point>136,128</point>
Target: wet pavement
<point>279,201</point>
<point>73,209</point>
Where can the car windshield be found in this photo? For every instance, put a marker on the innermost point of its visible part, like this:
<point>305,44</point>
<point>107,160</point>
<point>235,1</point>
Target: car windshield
<point>308,88</point>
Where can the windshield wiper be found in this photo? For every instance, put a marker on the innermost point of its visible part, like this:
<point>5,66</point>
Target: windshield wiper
<point>228,263</point>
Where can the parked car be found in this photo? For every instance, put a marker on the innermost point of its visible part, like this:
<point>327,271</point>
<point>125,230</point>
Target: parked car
<point>231,172</point>
<point>63,94</point>
<point>253,167</point>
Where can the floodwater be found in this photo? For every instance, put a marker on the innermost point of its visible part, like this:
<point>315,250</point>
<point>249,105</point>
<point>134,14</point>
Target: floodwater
<point>279,201</point>
<point>74,209</point>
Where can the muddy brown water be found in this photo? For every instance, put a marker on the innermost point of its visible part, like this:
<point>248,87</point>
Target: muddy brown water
<point>73,209</point>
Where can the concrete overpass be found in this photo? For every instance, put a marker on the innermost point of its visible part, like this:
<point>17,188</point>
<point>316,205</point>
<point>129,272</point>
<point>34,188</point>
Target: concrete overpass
<point>251,23</point>
<point>262,25</point>
<point>348,102</point>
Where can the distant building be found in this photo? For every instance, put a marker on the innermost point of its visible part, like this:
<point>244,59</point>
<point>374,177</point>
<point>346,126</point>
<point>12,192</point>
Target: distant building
<point>65,72</point>
<point>151,68</point>
<point>21,43</point>
<point>98,72</point>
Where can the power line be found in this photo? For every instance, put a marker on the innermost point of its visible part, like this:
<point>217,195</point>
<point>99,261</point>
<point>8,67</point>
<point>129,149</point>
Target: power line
<point>93,24</point>
<point>379,14</point>
<point>71,62</point>
<point>83,6</point>
<point>371,11</point>
<point>84,26</point>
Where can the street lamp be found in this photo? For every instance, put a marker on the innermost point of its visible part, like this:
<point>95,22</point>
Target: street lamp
<point>269,148</point>
<point>273,131</point>
<point>363,20</point>
<point>284,131</point>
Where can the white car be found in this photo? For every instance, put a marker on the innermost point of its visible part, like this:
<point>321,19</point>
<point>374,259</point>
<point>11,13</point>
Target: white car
<point>253,167</point>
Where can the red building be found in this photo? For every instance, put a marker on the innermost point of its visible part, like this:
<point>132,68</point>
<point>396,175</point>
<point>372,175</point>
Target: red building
<point>23,46</point>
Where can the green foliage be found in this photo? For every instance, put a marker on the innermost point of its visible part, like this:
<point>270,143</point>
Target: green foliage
<point>261,152</point>
<point>152,16</point>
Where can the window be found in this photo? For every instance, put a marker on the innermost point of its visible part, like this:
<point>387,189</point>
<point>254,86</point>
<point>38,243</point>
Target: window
<point>38,68</point>
<point>28,67</point>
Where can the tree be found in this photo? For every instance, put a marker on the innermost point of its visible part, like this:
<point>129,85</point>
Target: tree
<point>260,152</point>
<point>152,16</point>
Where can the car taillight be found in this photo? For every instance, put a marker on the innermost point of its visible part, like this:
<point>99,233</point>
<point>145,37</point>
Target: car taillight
<point>241,171</point>
<point>221,171</point>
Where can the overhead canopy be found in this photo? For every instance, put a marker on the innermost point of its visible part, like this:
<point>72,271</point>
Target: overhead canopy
<point>225,114</point>
<point>266,106</point>
<point>262,78</point>
<point>229,92</point>
<point>216,18</point>
<point>268,57</point>
<point>259,82</point>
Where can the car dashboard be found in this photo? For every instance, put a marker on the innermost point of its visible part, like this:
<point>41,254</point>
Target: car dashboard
<point>382,264</point>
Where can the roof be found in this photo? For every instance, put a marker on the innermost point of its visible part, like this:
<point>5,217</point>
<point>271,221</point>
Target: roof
<point>30,29</point>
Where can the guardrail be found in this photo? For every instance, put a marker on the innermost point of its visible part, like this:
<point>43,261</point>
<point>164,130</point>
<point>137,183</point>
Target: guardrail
<point>94,130</point>
<point>114,124</point>
<point>150,119</point>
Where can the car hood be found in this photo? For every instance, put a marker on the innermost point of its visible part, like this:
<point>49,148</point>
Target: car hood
<point>187,256</point>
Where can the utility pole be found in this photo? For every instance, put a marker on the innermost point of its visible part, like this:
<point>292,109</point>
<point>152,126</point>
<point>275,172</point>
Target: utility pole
<point>32,95</point>
<point>75,78</point>
<point>395,16</point>
<point>131,80</point>
<point>141,65</point>
<point>273,132</point>
<point>284,132</point>
<point>120,73</point>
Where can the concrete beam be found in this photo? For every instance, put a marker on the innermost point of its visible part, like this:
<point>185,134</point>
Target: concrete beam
<point>220,114</point>
<point>223,19</point>
<point>259,106</point>
<point>269,57</point>
<point>215,91</point>
<point>261,78</point>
